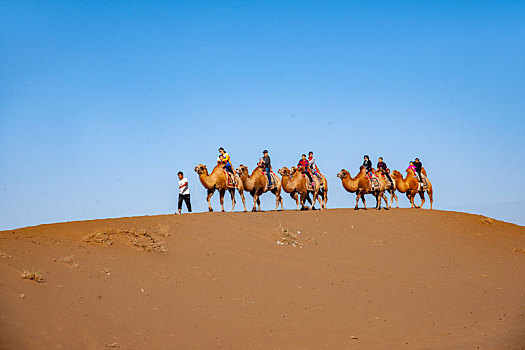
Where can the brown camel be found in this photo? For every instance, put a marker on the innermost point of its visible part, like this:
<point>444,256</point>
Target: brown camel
<point>217,180</point>
<point>323,188</point>
<point>360,185</point>
<point>295,185</point>
<point>390,187</point>
<point>410,185</point>
<point>257,184</point>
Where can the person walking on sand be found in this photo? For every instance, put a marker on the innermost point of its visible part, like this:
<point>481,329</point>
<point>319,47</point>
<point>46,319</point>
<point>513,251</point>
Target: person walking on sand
<point>184,192</point>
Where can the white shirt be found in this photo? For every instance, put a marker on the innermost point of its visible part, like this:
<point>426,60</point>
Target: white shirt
<point>184,189</point>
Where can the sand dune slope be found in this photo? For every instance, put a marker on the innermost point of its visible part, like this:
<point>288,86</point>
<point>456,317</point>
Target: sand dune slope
<point>398,279</point>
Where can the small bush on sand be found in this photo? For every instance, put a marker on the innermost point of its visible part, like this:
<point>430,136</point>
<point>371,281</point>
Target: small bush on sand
<point>487,221</point>
<point>288,238</point>
<point>70,259</point>
<point>141,239</point>
<point>33,275</point>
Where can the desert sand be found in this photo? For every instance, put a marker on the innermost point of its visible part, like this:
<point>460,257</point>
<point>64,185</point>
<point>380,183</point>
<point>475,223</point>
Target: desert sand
<point>336,279</point>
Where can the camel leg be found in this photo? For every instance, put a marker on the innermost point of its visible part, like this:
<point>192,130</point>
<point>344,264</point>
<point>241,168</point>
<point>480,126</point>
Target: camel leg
<point>210,193</point>
<point>255,198</point>
<point>280,200</point>
<point>422,195</point>
<point>394,196</point>
<point>296,198</point>
<point>241,192</point>
<point>378,201</point>
<point>386,201</point>
<point>357,196</point>
<point>364,201</point>
<point>431,197</point>
<point>314,198</point>
<point>277,197</point>
<point>221,198</point>
<point>303,200</point>
<point>308,199</point>
<point>259,203</point>
<point>232,193</point>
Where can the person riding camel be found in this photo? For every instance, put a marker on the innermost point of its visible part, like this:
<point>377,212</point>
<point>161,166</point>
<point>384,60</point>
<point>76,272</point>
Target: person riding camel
<point>382,165</point>
<point>368,166</point>
<point>304,163</point>
<point>224,158</point>
<point>418,166</point>
<point>312,165</point>
<point>267,163</point>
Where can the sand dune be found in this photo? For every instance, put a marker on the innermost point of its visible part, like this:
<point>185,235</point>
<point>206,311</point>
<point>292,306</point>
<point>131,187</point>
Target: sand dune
<point>398,279</point>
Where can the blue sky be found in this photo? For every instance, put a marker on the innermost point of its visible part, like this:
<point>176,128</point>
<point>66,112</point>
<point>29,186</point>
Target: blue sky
<point>101,103</point>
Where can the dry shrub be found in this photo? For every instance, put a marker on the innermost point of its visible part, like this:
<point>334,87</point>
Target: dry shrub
<point>487,221</point>
<point>33,275</point>
<point>70,259</point>
<point>519,250</point>
<point>288,238</point>
<point>141,239</point>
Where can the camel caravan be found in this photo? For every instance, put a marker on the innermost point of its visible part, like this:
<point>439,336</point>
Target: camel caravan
<point>305,182</point>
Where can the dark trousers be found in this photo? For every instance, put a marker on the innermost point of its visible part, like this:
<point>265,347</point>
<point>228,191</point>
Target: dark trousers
<point>309,176</point>
<point>186,199</point>
<point>269,176</point>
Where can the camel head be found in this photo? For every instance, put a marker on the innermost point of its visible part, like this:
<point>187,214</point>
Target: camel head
<point>284,171</point>
<point>201,169</point>
<point>343,173</point>
<point>242,170</point>
<point>396,174</point>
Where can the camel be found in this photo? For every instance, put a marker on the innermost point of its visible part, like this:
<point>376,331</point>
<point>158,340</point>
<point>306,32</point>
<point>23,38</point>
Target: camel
<point>360,184</point>
<point>295,185</point>
<point>257,184</point>
<point>323,188</point>
<point>410,186</point>
<point>390,187</point>
<point>217,180</point>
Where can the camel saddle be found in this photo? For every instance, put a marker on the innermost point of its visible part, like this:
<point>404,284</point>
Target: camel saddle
<point>387,180</point>
<point>274,178</point>
<point>230,179</point>
<point>319,177</point>
<point>374,183</point>
<point>423,184</point>
<point>309,186</point>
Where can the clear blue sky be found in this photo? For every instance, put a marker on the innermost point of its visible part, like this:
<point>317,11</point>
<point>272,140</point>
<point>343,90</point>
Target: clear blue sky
<point>102,102</point>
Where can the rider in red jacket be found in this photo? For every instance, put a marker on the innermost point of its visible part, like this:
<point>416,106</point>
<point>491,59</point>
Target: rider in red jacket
<point>304,163</point>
